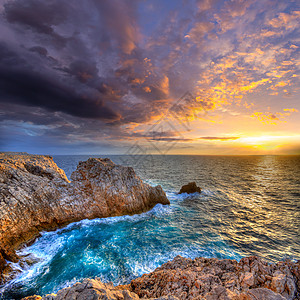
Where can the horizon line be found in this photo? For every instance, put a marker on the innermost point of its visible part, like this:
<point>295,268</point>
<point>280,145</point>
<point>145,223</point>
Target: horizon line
<point>149,154</point>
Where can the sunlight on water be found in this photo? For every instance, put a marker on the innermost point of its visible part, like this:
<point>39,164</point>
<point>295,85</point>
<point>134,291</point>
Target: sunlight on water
<point>248,206</point>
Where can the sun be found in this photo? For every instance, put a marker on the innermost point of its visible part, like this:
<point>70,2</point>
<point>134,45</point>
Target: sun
<point>266,143</point>
<point>260,140</point>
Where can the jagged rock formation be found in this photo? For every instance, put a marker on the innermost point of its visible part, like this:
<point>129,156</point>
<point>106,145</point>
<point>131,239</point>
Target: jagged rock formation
<point>190,188</point>
<point>89,289</point>
<point>201,278</point>
<point>36,195</point>
<point>211,278</point>
<point>94,289</point>
<point>111,190</point>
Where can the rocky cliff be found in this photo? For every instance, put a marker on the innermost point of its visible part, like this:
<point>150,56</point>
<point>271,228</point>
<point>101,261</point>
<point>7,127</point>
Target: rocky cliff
<point>36,195</point>
<point>201,278</point>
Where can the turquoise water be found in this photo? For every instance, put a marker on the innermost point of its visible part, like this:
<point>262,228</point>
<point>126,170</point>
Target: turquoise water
<point>248,206</point>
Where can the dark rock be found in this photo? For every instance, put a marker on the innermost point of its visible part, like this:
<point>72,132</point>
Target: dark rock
<point>190,188</point>
<point>2,262</point>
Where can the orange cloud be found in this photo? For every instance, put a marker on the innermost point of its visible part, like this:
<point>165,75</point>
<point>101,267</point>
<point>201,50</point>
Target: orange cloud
<point>291,109</point>
<point>253,85</point>
<point>137,80</point>
<point>265,118</point>
<point>164,85</point>
<point>288,21</point>
<point>147,89</point>
<point>281,83</point>
<point>273,118</point>
<point>199,30</point>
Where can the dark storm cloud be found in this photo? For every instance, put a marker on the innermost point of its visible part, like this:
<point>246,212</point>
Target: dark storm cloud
<point>21,84</point>
<point>82,70</point>
<point>81,59</point>
<point>119,17</point>
<point>40,50</point>
<point>38,16</point>
<point>59,128</point>
<point>34,90</point>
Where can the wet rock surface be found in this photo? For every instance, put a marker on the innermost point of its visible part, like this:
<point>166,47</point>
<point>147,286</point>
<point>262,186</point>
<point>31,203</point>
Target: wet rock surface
<point>190,188</point>
<point>36,195</point>
<point>201,278</point>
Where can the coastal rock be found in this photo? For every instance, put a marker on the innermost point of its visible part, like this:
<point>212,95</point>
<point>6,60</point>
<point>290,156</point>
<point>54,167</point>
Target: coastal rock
<point>200,278</point>
<point>261,294</point>
<point>2,262</point>
<point>36,195</point>
<point>89,289</point>
<point>93,289</point>
<point>247,280</point>
<point>190,188</point>
<point>111,190</point>
<point>211,278</point>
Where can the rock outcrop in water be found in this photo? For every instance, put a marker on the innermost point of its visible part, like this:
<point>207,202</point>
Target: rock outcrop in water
<point>190,188</point>
<point>201,278</point>
<point>112,190</point>
<point>36,195</point>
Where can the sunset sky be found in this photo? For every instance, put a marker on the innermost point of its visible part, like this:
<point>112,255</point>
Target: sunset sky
<point>150,76</point>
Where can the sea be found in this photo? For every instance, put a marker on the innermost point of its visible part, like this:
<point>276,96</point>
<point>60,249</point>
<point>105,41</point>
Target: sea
<point>249,205</point>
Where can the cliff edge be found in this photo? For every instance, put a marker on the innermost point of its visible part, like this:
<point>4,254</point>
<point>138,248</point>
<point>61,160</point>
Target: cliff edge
<point>36,195</point>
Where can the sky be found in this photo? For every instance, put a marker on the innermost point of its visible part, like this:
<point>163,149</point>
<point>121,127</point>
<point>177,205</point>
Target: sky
<point>201,77</point>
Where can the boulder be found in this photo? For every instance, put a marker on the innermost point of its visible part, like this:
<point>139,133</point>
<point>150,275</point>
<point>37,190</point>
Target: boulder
<point>190,188</point>
<point>247,280</point>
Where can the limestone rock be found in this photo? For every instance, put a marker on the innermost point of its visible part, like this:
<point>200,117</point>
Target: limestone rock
<point>113,189</point>
<point>190,188</point>
<point>36,195</point>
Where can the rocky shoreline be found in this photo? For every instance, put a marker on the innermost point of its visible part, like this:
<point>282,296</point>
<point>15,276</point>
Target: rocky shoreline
<point>200,278</point>
<point>36,195</point>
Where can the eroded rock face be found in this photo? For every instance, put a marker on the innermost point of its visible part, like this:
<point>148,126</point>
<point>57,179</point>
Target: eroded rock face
<point>36,195</point>
<point>190,188</point>
<point>201,278</point>
<point>111,189</point>
<point>31,186</point>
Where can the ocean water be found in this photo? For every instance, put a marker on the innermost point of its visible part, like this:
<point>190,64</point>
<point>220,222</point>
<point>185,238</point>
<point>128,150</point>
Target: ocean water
<point>249,205</point>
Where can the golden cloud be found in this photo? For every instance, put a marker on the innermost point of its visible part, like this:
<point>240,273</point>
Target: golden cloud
<point>273,118</point>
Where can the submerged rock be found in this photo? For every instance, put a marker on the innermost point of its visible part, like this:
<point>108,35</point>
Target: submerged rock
<point>201,278</point>
<point>36,195</point>
<point>190,188</point>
